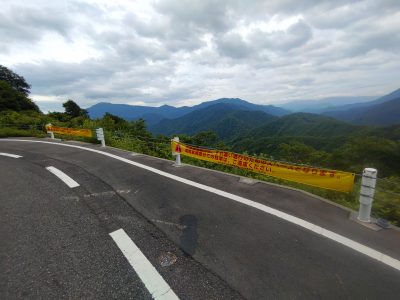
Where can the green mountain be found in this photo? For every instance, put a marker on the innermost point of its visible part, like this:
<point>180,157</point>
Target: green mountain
<point>227,120</point>
<point>320,132</point>
<point>305,124</point>
<point>153,115</point>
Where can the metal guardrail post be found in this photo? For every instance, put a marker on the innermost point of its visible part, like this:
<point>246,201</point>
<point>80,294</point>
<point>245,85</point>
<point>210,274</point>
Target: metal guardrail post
<point>177,154</point>
<point>100,136</point>
<point>367,192</point>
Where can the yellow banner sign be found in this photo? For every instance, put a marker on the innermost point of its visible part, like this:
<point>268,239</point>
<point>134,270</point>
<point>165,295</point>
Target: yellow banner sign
<point>323,178</point>
<point>69,131</point>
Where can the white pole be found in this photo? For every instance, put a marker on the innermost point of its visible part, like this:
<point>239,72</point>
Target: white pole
<point>100,136</point>
<point>177,154</point>
<point>51,133</point>
<point>367,192</point>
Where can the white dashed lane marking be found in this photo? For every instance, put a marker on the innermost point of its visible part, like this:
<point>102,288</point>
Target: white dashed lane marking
<point>155,284</point>
<point>64,177</point>
<point>10,155</point>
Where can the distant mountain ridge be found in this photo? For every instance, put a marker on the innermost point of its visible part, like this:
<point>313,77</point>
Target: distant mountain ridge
<point>230,117</point>
<point>227,120</point>
<point>230,122</point>
<point>324,104</point>
<point>153,115</point>
<point>133,112</point>
<point>383,114</point>
<point>382,111</point>
<point>233,122</point>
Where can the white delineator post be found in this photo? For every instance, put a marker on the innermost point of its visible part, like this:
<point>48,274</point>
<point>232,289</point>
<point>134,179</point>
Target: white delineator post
<point>100,136</point>
<point>367,192</point>
<point>177,154</point>
<point>50,132</point>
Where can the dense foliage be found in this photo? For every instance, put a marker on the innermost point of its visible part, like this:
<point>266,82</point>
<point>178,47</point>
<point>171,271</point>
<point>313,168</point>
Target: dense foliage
<point>73,110</point>
<point>16,81</point>
<point>11,99</point>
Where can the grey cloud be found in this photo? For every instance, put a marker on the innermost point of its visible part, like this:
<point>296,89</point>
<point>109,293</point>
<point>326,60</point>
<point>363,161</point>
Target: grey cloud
<point>165,59</point>
<point>174,35</point>
<point>387,39</point>
<point>94,80</point>
<point>232,45</point>
<point>82,8</point>
<point>28,24</point>
<point>305,81</point>
<point>157,27</point>
<point>46,106</point>
<point>141,49</point>
<point>213,15</point>
<point>296,36</point>
<point>259,42</point>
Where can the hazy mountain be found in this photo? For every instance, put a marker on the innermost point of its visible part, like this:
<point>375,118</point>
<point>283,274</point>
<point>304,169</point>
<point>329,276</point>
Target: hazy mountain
<point>133,112</point>
<point>323,104</point>
<point>376,109</point>
<point>227,120</point>
<point>153,115</point>
<point>383,114</point>
<point>393,95</point>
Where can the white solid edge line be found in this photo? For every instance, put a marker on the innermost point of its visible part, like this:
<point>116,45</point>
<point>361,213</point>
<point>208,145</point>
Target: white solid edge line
<point>379,256</point>
<point>64,177</point>
<point>10,155</point>
<point>155,284</point>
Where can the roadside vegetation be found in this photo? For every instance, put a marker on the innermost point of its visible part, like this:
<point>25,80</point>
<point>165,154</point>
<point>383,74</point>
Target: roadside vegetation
<point>369,147</point>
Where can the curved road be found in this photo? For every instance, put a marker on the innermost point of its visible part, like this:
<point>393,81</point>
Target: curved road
<point>197,228</point>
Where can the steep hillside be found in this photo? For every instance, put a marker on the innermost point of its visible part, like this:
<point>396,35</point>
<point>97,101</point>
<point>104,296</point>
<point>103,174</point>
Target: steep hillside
<point>305,124</point>
<point>319,132</point>
<point>227,120</point>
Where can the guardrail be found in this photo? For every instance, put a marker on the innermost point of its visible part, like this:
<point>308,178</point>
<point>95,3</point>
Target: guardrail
<point>375,193</point>
<point>327,179</point>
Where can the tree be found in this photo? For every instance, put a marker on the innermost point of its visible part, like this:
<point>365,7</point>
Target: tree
<point>205,138</point>
<point>139,128</point>
<point>60,116</point>
<point>16,81</point>
<point>73,110</point>
<point>118,121</point>
<point>10,99</point>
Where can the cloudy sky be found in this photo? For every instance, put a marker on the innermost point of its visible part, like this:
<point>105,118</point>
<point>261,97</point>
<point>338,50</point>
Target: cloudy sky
<point>183,52</point>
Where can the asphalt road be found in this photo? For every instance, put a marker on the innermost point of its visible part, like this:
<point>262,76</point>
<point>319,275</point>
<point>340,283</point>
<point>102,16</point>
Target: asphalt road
<point>55,240</point>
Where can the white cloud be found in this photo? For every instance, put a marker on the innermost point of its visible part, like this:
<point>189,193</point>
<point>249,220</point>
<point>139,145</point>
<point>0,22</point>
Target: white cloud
<point>184,52</point>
